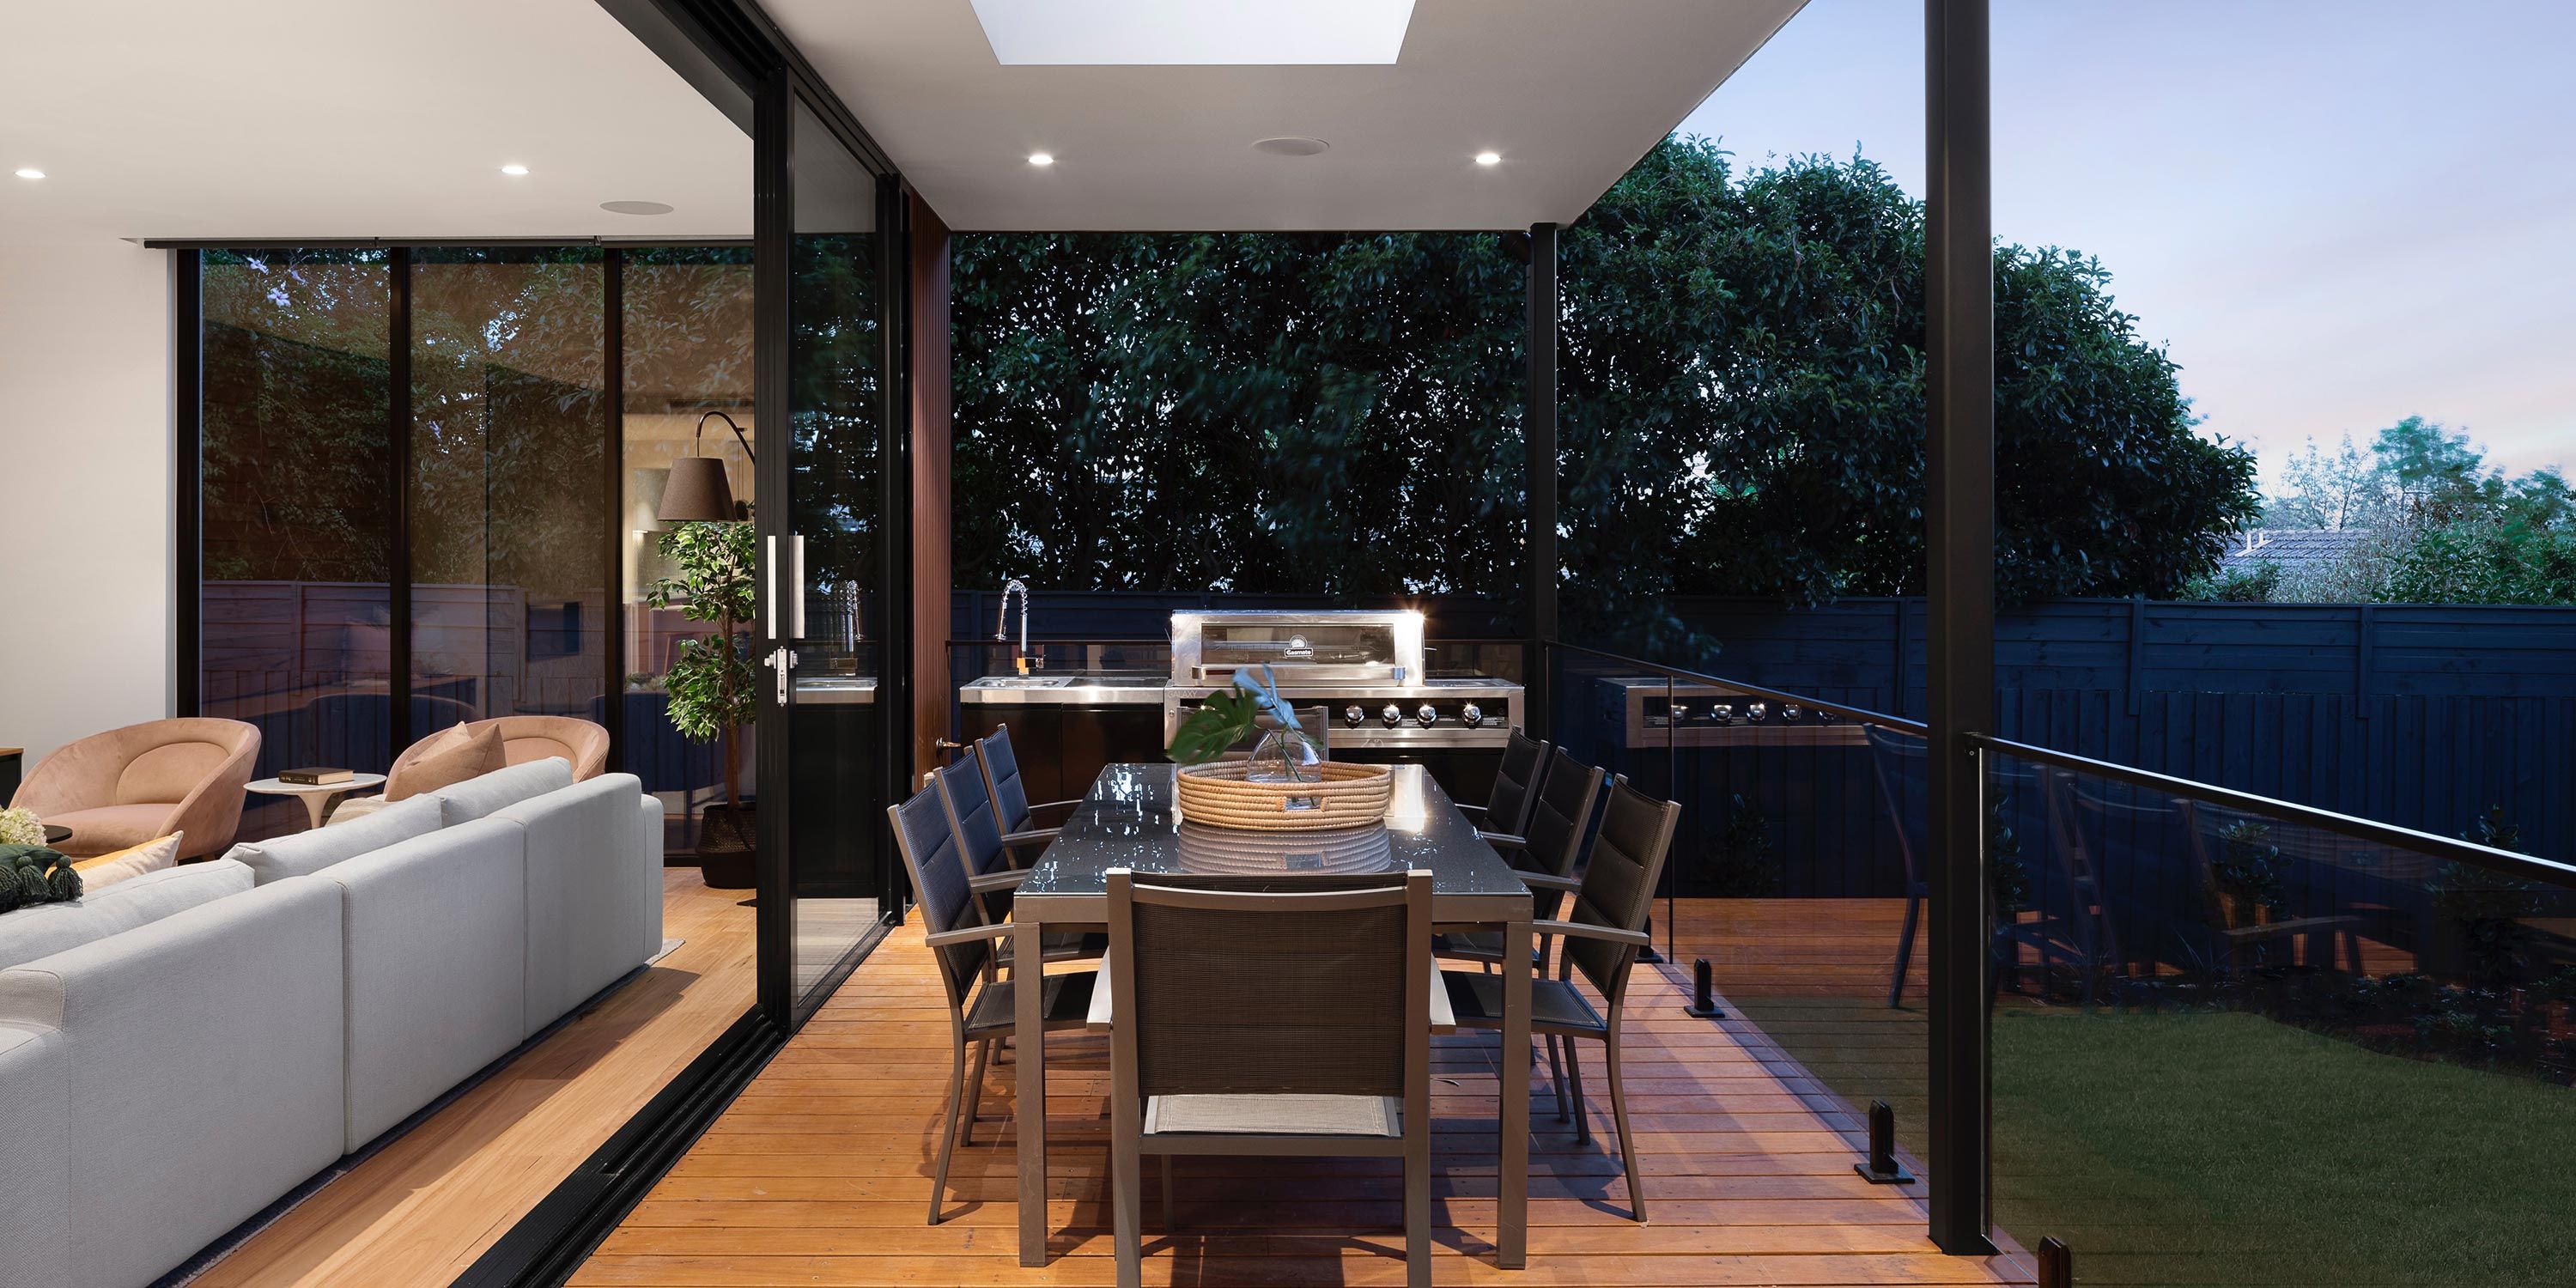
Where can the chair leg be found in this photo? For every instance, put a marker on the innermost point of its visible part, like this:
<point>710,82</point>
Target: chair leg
<point>957,1109</point>
<point>1905,949</point>
<point>1574,1075</point>
<point>1556,1071</point>
<point>1627,1143</point>
<point>1127,1194</point>
<point>1417,1204</point>
<point>975,1092</point>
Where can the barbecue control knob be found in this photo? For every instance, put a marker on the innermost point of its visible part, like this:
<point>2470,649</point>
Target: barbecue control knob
<point>1392,715</point>
<point>1426,713</point>
<point>1353,715</point>
<point>1471,715</point>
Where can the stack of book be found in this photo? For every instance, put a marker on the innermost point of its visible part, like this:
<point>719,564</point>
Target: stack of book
<point>314,777</point>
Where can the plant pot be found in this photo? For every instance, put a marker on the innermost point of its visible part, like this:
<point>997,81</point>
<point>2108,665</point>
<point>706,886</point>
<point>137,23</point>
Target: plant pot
<point>728,846</point>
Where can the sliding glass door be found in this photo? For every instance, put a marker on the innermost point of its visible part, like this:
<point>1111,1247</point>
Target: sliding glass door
<point>831,569</point>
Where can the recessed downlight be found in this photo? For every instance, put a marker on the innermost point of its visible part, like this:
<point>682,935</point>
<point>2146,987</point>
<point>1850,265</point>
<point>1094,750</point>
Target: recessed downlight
<point>1489,158</point>
<point>1292,145</point>
<point>1041,158</point>
<point>30,172</point>
<point>514,170</point>
<point>635,207</point>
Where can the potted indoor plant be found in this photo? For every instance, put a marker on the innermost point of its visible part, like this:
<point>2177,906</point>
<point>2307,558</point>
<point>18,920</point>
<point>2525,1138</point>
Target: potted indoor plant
<point>710,681</point>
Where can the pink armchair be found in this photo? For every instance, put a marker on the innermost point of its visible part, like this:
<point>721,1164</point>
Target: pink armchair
<point>129,785</point>
<point>523,738</point>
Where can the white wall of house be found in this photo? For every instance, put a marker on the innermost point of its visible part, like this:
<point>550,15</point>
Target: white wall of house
<point>86,606</point>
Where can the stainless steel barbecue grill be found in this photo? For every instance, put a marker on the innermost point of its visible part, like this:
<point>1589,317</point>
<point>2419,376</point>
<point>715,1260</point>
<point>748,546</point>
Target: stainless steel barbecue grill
<point>1367,667</point>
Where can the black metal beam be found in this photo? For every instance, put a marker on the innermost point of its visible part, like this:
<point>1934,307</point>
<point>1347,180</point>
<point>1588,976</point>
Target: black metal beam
<point>1959,529</point>
<point>1538,477</point>
<point>773,220</point>
<point>612,482</point>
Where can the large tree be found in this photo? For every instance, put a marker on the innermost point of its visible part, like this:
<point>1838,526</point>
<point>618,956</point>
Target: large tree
<point>1741,396</point>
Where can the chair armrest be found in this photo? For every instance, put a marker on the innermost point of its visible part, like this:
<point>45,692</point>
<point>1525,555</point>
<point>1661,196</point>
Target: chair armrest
<point>992,881</point>
<point>1034,836</point>
<point>1066,806</point>
<point>1503,838</point>
<point>1548,881</point>
<point>1468,809</point>
<point>968,935</point>
<point>1578,930</point>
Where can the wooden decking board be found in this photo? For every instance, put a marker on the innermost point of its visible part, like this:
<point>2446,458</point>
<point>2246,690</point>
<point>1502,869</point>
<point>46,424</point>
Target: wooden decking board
<point>819,1173</point>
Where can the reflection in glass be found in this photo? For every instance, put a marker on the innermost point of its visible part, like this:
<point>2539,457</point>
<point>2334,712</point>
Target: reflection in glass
<point>687,322</point>
<point>509,415</point>
<point>835,496</point>
<point>296,535</point>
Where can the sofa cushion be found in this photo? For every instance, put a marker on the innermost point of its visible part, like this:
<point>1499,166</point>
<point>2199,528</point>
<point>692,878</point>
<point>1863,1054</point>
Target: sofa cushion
<point>102,828</point>
<point>133,861</point>
<point>450,757</point>
<point>500,789</point>
<point>586,921</point>
<point>437,931</point>
<point>32,933</point>
<point>206,1059</point>
<point>302,854</point>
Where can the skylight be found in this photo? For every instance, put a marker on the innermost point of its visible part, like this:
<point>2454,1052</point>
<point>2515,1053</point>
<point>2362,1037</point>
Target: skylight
<point>1119,33</point>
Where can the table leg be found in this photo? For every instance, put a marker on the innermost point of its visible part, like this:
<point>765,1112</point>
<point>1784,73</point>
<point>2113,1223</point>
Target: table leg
<point>314,804</point>
<point>1511,1223</point>
<point>1028,1040</point>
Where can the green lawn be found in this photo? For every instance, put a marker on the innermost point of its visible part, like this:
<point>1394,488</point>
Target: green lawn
<point>2225,1149</point>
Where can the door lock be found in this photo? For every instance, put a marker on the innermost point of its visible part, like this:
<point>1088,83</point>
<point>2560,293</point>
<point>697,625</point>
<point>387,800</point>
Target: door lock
<point>782,660</point>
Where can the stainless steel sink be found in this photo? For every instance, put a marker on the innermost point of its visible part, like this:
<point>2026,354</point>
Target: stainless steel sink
<point>1025,681</point>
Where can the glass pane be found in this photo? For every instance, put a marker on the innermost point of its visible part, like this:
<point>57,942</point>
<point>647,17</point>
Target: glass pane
<point>297,535</point>
<point>687,333</point>
<point>836,360</point>
<point>509,573</point>
<point>2231,1048</point>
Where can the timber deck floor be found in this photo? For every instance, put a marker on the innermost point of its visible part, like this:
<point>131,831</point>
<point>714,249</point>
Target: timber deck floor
<point>820,1174</point>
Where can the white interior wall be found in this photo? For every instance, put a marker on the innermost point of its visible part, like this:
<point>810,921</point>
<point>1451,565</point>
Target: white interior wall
<point>86,502</point>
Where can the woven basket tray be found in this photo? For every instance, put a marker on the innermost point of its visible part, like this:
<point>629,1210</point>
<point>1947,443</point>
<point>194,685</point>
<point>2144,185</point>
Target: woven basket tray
<point>1349,796</point>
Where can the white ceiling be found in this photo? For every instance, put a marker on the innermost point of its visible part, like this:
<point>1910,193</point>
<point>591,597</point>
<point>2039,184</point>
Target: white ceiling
<point>318,119</point>
<point>1569,92</point>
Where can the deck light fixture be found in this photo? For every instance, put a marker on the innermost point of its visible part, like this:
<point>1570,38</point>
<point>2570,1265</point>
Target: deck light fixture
<point>30,172</point>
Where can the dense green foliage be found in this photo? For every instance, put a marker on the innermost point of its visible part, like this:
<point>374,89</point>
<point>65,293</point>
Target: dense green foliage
<point>1741,405</point>
<point>711,681</point>
<point>2439,525</point>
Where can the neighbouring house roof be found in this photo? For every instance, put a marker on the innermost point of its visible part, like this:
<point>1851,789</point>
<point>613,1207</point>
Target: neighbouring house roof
<point>2292,549</point>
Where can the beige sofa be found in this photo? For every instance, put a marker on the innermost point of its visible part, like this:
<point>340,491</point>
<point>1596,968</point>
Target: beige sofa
<point>129,785</point>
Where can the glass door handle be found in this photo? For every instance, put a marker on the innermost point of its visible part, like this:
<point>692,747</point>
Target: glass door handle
<point>796,586</point>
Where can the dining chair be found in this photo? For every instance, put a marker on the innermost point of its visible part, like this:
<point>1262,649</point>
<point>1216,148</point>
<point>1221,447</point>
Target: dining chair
<point>980,1005</point>
<point>1516,786</point>
<point>1550,844</point>
<point>990,875</point>
<point>1269,1017</point>
<point>1012,813</point>
<point>1602,936</point>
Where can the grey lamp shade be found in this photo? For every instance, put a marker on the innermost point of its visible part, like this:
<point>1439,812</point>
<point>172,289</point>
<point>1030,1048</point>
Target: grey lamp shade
<point>697,491</point>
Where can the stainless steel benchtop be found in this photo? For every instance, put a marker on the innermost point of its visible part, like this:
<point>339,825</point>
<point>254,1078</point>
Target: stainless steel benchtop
<point>1076,689</point>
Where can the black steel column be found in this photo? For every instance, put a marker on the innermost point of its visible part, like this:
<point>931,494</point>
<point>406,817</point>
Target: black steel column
<point>187,422</point>
<point>1538,478</point>
<point>1959,525</point>
<point>398,572</point>
<point>612,481</point>
<point>773,223</point>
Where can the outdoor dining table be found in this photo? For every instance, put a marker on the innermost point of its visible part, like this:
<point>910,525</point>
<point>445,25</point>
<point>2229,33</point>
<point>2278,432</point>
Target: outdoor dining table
<point>1129,820</point>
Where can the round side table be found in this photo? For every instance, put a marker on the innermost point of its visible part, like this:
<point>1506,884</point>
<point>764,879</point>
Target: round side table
<point>56,834</point>
<point>317,796</point>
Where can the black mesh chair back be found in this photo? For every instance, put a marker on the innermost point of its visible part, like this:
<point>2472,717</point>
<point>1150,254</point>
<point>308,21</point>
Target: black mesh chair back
<point>1557,822</point>
<point>939,891</point>
<point>1002,781</point>
<point>1619,884</point>
<point>1516,785</point>
<point>979,833</point>
<point>1270,986</point>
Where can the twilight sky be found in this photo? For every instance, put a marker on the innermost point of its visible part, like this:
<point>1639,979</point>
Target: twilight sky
<point>2335,213</point>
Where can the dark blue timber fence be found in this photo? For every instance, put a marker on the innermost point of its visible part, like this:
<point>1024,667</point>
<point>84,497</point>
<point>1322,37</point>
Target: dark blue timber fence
<point>2426,716</point>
